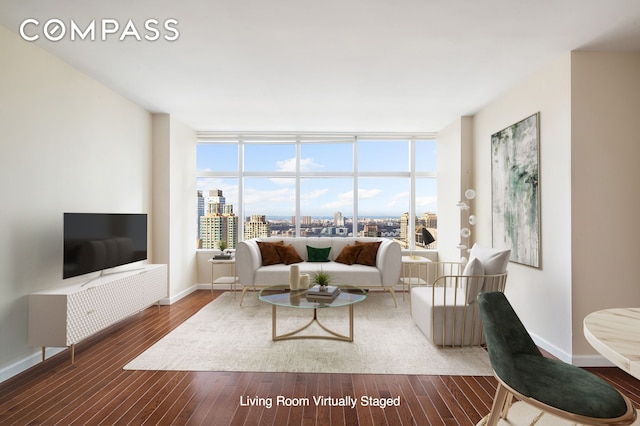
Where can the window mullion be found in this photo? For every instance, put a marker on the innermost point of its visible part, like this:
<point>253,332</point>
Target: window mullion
<point>412,198</point>
<point>297,212</point>
<point>354,225</point>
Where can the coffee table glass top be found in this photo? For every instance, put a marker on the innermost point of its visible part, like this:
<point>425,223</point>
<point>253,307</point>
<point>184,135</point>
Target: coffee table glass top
<point>281,295</point>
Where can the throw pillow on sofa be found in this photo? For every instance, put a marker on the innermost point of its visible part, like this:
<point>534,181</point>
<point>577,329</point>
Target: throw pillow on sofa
<point>368,253</point>
<point>288,254</point>
<point>349,254</point>
<point>315,254</point>
<point>269,253</point>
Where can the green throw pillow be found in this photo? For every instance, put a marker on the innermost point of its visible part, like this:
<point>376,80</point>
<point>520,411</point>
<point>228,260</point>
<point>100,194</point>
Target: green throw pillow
<point>315,254</point>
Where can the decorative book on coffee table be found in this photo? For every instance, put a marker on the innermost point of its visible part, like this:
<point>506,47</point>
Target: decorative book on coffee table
<point>328,290</point>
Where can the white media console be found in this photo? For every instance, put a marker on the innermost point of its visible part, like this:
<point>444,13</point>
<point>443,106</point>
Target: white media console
<point>65,316</point>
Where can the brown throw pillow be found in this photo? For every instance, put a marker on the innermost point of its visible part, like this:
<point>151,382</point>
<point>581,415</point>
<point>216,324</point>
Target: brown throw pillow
<point>367,255</point>
<point>269,253</point>
<point>289,255</point>
<point>349,254</point>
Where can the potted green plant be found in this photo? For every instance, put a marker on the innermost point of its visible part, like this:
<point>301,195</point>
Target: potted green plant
<point>321,278</point>
<point>222,245</point>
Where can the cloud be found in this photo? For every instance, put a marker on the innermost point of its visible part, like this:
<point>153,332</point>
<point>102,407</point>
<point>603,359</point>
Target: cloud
<point>264,200</point>
<point>312,195</point>
<point>306,165</point>
<point>401,198</point>
<point>344,199</point>
<point>426,203</point>
<point>368,193</point>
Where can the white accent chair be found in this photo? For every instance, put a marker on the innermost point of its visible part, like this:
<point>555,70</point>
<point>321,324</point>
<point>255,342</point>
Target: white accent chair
<point>446,310</point>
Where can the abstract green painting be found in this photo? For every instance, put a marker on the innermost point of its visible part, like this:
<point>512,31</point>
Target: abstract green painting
<point>515,191</point>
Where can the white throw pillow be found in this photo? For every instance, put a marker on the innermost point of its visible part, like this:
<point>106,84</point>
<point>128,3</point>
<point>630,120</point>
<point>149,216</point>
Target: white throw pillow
<point>473,286</point>
<point>494,261</point>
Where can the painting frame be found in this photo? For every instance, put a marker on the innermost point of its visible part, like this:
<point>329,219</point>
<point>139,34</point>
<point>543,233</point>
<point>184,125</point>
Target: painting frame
<point>515,190</point>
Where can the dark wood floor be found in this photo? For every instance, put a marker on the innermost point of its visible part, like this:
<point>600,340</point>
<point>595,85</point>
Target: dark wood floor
<point>96,390</point>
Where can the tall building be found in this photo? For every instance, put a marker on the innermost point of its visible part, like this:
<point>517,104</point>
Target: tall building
<point>200,201</point>
<point>425,230</point>
<point>404,227</point>
<point>430,220</point>
<point>370,230</point>
<point>216,202</point>
<point>218,223</point>
<point>256,227</point>
<point>338,219</point>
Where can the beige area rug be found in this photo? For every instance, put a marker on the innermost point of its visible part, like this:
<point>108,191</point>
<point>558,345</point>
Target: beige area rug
<point>223,336</point>
<point>523,414</point>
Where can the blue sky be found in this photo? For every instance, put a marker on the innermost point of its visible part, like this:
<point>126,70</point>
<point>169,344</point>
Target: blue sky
<point>327,192</point>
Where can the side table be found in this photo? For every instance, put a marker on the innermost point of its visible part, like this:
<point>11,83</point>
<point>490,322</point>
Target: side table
<point>411,267</point>
<point>226,280</point>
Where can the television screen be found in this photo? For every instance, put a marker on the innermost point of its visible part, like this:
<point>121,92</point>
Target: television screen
<point>99,241</point>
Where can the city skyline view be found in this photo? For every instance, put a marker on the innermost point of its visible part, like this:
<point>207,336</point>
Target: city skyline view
<point>217,224</point>
<point>326,178</point>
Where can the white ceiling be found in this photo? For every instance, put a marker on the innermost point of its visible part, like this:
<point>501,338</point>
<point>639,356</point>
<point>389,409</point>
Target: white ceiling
<point>329,65</point>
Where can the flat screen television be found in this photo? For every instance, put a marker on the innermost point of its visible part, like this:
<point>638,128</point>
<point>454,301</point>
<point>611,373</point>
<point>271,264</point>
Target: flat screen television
<point>98,241</point>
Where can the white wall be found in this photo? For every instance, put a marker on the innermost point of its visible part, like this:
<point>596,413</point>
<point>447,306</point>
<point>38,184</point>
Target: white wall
<point>542,297</point>
<point>68,144</point>
<point>589,103</point>
<point>454,178</point>
<point>174,194</point>
<point>606,184</point>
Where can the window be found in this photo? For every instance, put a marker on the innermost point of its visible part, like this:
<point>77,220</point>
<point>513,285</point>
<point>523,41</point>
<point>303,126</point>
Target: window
<point>317,185</point>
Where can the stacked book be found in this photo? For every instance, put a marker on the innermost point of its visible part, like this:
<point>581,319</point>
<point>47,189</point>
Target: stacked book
<point>326,294</point>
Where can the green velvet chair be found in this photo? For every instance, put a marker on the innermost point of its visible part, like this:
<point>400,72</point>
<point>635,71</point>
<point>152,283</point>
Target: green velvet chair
<point>550,385</point>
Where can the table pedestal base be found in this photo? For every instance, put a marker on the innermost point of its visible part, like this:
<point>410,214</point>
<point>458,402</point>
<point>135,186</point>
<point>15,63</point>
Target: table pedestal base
<point>295,334</point>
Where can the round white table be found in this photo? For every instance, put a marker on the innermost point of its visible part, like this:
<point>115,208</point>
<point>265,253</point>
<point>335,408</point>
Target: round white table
<point>615,334</point>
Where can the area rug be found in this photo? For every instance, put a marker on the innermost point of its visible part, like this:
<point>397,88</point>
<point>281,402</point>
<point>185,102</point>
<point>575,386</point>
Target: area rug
<point>224,336</point>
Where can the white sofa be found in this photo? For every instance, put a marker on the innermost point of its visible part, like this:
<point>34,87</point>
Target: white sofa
<point>385,274</point>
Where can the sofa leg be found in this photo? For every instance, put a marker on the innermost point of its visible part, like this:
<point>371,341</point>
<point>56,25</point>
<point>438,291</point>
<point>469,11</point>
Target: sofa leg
<point>393,294</point>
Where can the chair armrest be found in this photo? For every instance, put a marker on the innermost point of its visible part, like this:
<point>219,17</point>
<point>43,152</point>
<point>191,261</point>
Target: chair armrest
<point>473,284</point>
<point>248,260</point>
<point>389,262</point>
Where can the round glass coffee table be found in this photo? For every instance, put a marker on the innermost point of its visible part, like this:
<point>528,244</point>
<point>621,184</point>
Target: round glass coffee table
<point>282,296</point>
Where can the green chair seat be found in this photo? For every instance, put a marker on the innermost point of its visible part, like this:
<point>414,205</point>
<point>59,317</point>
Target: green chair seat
<point>566,387</point>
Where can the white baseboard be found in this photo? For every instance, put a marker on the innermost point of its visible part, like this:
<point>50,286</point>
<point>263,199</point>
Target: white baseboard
<point>36,358</point>
<point>591,361</point>
<point>577,360</point>
<point>184,293</point>
<point>26,363</point>
<point>207,286</point>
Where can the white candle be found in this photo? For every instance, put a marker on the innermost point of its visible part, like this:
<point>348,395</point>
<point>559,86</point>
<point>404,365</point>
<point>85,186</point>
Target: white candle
<point>294,277</point>
<point>304,280</point>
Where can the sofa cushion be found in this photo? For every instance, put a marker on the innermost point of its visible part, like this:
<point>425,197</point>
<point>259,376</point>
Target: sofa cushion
<point>447,320</point>
<point>316,254</point>
<point>349,254</point>
<point>367,255</point>
<point>288,254</point>
<point>269,253</point>
<point>341,274</point>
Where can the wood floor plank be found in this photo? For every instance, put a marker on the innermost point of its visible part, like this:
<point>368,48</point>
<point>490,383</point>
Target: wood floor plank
<point>97,390</point>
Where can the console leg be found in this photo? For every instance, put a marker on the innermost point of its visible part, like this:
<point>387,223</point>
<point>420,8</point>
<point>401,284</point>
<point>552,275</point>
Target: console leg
<point>43,353</point>
<point>73,353</point>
